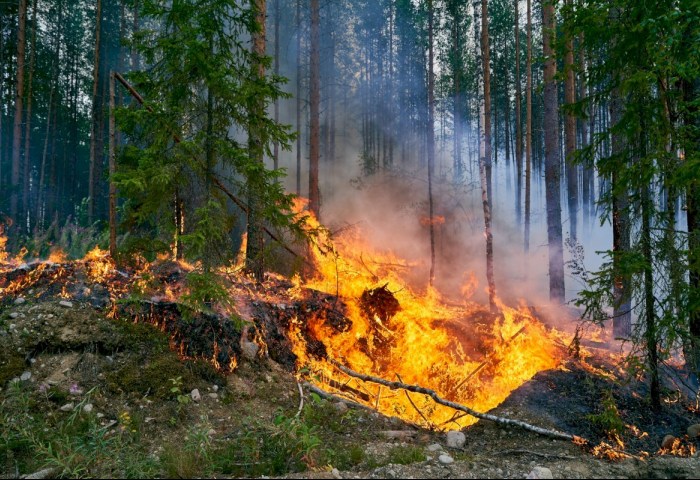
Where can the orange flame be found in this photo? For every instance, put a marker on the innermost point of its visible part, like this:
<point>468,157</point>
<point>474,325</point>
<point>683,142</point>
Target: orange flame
<point>462,352</point>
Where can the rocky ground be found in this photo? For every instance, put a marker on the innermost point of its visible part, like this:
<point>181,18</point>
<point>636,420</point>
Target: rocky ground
<point>87,396</point>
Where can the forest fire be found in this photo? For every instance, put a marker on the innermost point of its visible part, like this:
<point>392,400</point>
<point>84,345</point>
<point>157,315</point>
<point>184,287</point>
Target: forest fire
<point>375,323</point>
<point>463,352</point>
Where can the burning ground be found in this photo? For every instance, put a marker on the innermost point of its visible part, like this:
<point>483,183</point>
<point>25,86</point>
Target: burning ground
<point>132,344</point>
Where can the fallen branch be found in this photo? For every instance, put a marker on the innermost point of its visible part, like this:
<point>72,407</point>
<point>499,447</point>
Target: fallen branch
<point>414,405</point>
<point>329,396</point>
<point>483,416</point>
<point>301,400</point>
<point>538,454</point>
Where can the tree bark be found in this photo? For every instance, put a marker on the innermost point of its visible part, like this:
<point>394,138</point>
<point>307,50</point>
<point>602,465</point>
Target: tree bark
<point>431,141</point>
<point>552,156</point>
<point>528,129</point>
<point>518,122</point>
<point>485,152</point>
<point>96,116</point>
<point>276,145</point>
<point>26,216</point>
<point>570,133</point>
<point>298,109</point>
<point>314,104</point>
<point>17,126</point>
<point>254,245</point>
<point>112,171</point>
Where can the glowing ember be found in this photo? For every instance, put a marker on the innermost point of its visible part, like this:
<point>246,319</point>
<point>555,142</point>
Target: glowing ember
<point>465,353</point>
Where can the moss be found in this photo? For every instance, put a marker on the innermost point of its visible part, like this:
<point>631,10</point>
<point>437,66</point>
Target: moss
<point>11,366</point>
<point>140,338</point>
<point>151,378</point>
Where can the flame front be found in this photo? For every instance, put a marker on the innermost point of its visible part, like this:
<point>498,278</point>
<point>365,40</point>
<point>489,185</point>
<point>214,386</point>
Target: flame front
<point>463,352</point>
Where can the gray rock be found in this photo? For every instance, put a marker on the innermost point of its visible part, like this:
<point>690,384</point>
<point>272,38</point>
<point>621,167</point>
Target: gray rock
<point>445,459</point>
<point>455,439</point>
<point>213,396</point>
<point>249,350</point>
<point>67,407</point>
<point>215,388</point>
<point>88,407</point>
<point>540,472</point>
<point>196,396</point>
<point>14,315</point>
<point>66,304</point>
<point>694,430</point>
<point>336,473</point>
<point>667,442</point>
<point>435,447</point>
<point>341,407</point>
<point>19,300</point>
<point>26,376</point>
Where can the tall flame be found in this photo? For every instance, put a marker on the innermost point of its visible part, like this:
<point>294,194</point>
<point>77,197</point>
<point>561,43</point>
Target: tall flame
<point>461,351</point>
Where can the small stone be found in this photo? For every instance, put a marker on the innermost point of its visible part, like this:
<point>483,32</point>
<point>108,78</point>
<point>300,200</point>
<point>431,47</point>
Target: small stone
<point>694,430</point>
<point>215,388</point>
<point>336,473</point>
<point>67,407</point>
<point>19,300</point>
<point>66,304</point>
<point>25,376</point>
<point>456,439</point>
<point>102,415</point>
<point>250,350</point>
<point>196,396</point>
<point>540,472</point>
<point>445,459</point>
<point>667,442</point>
<point>341,407</point>
<point>211,432</point>
<point>213,395</point>
<point>14,315</point>
<point>12,326</point>
<point>435,447</point>
<point>88,407</point>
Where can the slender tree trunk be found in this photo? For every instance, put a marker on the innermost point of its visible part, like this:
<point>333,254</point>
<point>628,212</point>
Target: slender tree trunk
<point>552,158</point>
<point>112,171</point>
<point>315,101</point>
<point>691,121</point>
<point>135,28</point>
<point>17,127</point>
<point>26,215</point>
<point>457,83</point>
<point>485,152</point>
<point>486,67</point>
<point>298,109</point>
<point>650,332</point>
<point>570,134</point>
<point>96,116</point>
<point>583,128</point>
<point>431,141</point>
<point>276,146</point>
<point>518,122</point>
<point>528,128</point>
<point>254,246</point>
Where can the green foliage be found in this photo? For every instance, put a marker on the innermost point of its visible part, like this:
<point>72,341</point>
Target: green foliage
<point>405,454</point>
<point>200,88</point>
<point>608,420</point>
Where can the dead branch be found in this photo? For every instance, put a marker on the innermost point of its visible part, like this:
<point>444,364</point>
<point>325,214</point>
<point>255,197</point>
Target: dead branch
<point>329,396</point>
<point>414,405</point>
<point>483,416</point>
<point>538,454</point>
<point>301,400</point>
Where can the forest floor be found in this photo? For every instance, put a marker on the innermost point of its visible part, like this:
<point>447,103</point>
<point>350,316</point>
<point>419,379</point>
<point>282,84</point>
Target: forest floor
<point>87,396</point>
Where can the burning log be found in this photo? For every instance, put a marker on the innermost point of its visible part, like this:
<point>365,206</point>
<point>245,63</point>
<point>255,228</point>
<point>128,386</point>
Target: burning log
<point>484,416</point>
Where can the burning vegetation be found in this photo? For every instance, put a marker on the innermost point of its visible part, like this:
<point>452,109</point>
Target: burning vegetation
<point>353,328</point>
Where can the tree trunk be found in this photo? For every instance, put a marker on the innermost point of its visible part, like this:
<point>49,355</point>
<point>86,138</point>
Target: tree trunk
<point>298,109</point>
<point>96,116</point>
<point>431,140</point>
<point>26,215</point>
<point>485,152</point>
<point>528,129</point>
<point>17,127</point>
<point>254,246</point>
<point>552,158</point>
<point>570,134</point>
<point>276,146</point>
<point>518,122</point>
<point>112,171</point>
<point>314,104</point>
<point>486,67</point>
